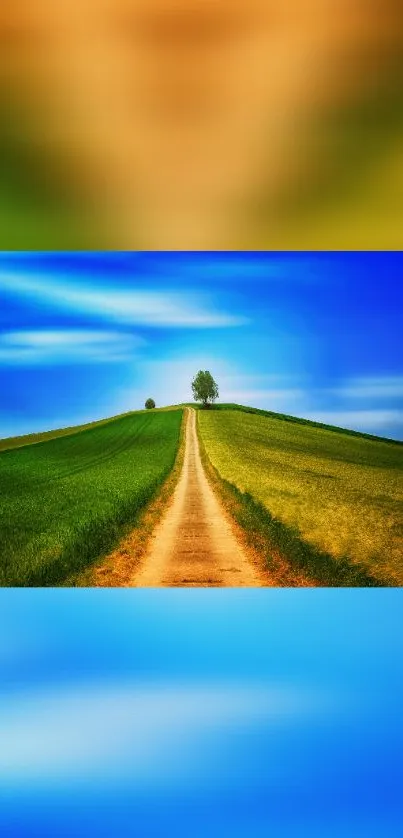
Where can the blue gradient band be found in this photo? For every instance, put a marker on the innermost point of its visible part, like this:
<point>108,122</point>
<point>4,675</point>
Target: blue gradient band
<point>169,712</point>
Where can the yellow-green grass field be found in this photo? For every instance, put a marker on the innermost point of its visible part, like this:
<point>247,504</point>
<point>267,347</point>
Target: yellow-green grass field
<point>65,501</point>
<point>339,493</point>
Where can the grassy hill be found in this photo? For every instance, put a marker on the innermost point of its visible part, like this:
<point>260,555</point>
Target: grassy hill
<point>328,500</point>
<point>66,500</point>
<point>323,504</point>
<point>30,439</point>
<point>297,420</point>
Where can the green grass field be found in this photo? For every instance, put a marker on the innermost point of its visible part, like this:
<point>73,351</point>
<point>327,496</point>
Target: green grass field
<point>65,501</point>
<point>30,439</point>
<point>331,500</point>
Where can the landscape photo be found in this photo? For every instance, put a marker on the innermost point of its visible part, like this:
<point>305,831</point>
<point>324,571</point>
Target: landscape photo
<point>201,419</point>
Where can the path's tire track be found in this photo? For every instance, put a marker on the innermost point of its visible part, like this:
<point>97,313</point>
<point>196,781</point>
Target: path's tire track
<point>194,545</point>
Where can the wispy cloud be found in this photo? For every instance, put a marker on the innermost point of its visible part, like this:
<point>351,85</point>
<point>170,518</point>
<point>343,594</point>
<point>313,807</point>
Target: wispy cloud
<point>386,387</point>
<point>361,420</point>
<point>37,347</point>
<point>98,731</point>
<point>168,266</point>
<point>159,308</point>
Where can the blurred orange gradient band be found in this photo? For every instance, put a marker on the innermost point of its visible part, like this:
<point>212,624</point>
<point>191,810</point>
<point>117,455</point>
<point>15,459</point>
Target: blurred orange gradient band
<point>201,124</point>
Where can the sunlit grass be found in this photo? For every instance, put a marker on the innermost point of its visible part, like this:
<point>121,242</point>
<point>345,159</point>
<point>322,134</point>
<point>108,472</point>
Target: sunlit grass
<point>44,436</point>
<point>30,439</point>
<point>343,493</point>
<point>66,501</point>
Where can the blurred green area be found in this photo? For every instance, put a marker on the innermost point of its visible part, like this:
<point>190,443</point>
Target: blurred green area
<point>351,193</point>
<point>348,194</point>
<point>39,209</point>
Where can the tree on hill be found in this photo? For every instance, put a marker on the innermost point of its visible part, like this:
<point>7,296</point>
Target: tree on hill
<point>150,403</point>
<point>204,388</point>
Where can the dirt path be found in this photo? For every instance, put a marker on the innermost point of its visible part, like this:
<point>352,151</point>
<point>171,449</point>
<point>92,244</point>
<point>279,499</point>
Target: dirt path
<point>195,543</point>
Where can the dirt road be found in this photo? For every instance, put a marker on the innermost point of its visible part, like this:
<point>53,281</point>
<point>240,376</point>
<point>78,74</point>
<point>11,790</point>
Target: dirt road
<point>195,543</point>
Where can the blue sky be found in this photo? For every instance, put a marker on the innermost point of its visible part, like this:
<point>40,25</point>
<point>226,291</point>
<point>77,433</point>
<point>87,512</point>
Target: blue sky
<point>87,335</point>
<point>200,712</point>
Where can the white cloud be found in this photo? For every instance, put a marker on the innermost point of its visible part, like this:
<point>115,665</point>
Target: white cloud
<point>152,308</point>
<point>385,387</point>
<point>362,420</point>
<point>36,347</point>
<point>102,731</point>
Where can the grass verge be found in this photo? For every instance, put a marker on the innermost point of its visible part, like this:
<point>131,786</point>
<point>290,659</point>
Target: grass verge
<point>116,570</point>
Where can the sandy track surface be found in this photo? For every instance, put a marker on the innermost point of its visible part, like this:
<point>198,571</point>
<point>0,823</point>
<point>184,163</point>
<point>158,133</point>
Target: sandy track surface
<point>195,544</point>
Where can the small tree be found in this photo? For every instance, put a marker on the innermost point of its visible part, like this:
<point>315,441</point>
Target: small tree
<point>204,388</point>
<point>150,403</point>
